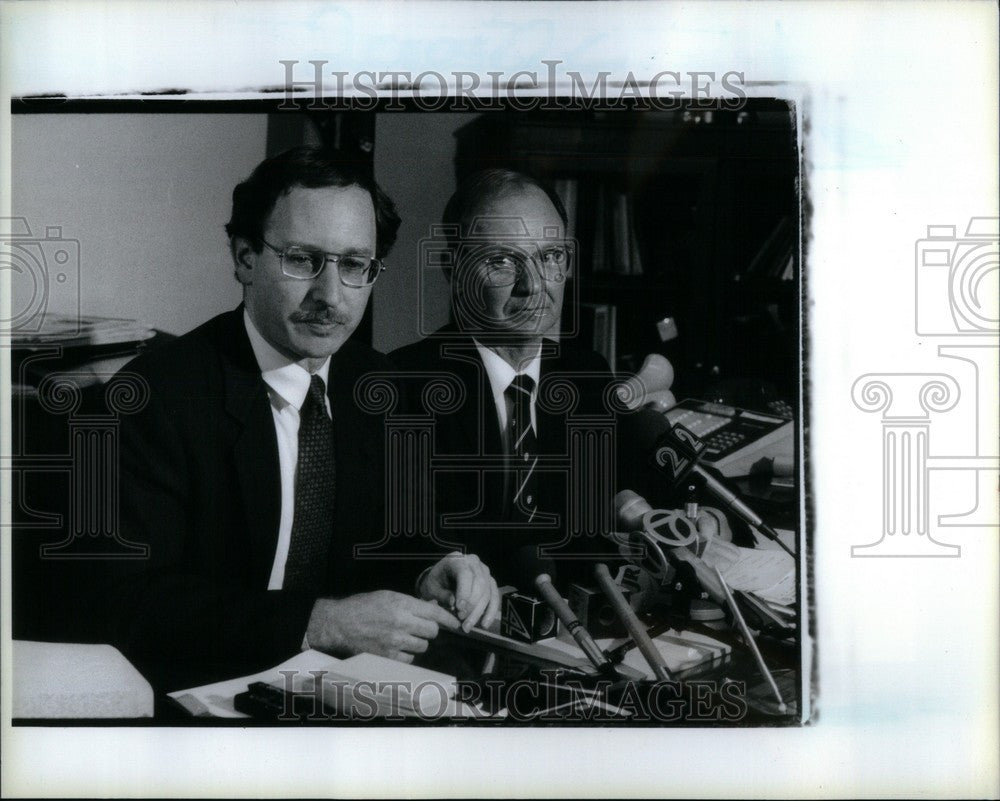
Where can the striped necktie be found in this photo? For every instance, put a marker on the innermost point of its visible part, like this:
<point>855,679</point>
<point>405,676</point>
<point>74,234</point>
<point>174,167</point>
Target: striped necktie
<point>522,449</point>
<point>312,524</point>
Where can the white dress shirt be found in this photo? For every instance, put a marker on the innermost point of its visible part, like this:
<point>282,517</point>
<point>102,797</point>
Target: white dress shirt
<point>501,374</point>
<point>287,386</point>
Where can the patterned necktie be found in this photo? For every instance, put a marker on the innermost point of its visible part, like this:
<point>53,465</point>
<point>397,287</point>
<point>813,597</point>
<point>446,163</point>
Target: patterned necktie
<point>312,525</point>
<point>522,449</point>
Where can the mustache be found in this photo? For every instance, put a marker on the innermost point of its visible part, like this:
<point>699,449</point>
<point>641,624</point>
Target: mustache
<point>522,307</point>
<point>323,317</point>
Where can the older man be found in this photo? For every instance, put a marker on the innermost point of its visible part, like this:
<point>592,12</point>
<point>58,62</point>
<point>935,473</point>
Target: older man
<point>253,476</point>
<point>512,496</point>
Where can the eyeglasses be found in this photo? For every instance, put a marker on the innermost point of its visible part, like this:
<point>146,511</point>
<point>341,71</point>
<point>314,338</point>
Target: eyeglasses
<point>500,268</point>
<point>304,264</point>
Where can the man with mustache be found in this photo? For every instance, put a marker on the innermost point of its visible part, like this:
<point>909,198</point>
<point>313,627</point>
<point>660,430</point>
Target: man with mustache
<point>508,264</point>
<point>252,475</point>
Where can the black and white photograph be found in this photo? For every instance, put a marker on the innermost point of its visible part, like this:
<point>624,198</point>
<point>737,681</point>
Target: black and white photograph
<point>555,455</point>
<point>502,403</point>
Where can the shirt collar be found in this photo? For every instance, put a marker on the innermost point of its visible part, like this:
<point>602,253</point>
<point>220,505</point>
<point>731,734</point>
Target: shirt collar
<point>501,373</point>
<point>287,379</point>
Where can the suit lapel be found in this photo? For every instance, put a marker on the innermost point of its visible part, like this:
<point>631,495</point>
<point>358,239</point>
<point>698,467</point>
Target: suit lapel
<point>477,417</point>
<point>255,447</point>
<point>355,436</point>
<point>474,427</point>
<point>551,425</point>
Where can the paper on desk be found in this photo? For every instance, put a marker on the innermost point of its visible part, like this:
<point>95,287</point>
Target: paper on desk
<point>218,698</point>
<point>429,692</point>
<point>680,650</point>
<point>768,573</point>
<point>397,687</point>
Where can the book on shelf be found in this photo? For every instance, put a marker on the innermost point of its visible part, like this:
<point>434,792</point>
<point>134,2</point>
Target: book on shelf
<point>598,324</point>
<point>622,263</point>
<point>633,240</point>
<point>599,258</point>
<point>568,190</point>
<point>616,243</point>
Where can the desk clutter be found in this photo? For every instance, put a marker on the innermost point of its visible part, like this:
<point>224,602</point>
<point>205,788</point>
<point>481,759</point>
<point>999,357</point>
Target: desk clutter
<point>551,659</point>
<point>83,348</point>
<point>313,686</point>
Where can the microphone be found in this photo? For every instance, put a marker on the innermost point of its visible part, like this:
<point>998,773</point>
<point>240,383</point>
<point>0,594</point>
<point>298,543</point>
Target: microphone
<point>523,616</point>
<point>632,512</point>
<point>638,631</point>
<point>651,385</point>
<point>552,597</point>
<point>676,454</point>
<point>629,508</point>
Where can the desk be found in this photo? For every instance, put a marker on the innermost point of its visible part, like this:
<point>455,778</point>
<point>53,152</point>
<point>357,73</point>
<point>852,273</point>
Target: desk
<point>520,691</point>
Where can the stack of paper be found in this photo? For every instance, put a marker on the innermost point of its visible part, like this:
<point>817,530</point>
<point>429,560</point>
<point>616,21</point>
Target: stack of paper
<point>361,686</point>
<point>88,349</point>
<point>78,330</point>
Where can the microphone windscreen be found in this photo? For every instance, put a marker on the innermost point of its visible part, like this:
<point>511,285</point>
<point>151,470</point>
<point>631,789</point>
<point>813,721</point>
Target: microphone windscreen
<point>629,509</point>
<point>662,401</point>
<point>656,373</point>
<point>640,436</point>
<point>654,379</point>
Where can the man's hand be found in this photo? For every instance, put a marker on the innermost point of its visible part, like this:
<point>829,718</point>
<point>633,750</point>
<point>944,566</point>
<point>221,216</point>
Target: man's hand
<point>385,623</point>
<point>463,583</point>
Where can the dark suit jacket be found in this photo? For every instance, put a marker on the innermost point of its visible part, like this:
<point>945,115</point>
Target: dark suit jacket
<point>200,486</point>
<point>469,429</point>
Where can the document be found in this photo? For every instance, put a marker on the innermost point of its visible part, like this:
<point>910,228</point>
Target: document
<point>768,573</point>
<point>391,687</point>
<point>216,700</point>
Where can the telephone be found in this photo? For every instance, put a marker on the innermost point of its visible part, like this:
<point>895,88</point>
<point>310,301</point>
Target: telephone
<point>735,438</point>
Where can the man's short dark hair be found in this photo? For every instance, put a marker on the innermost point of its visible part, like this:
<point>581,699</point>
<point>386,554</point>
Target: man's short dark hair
<point>311,168</point>
<point>474,190</point>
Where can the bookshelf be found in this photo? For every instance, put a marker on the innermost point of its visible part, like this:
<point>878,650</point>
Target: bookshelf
<point>682,214</point>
